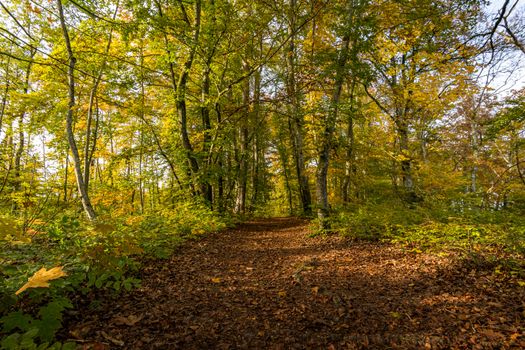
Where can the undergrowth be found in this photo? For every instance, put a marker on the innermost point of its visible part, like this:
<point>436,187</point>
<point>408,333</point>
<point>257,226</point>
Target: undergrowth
<point>102,257</point>
<point>475,234</point>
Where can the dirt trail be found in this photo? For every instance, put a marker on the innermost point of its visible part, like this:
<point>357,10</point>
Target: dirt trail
<point>265,285</point>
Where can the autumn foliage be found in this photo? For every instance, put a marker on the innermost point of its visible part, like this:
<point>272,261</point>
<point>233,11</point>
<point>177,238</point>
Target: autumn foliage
<point>128,128</point>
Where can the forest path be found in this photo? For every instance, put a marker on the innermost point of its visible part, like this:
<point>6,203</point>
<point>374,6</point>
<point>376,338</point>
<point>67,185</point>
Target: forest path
<point>265,285</point>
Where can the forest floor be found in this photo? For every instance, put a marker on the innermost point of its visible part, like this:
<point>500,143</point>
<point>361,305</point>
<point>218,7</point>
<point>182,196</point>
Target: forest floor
<point>266,285</point>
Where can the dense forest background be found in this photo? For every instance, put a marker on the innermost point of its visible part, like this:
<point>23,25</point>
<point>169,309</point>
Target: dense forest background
<point>257,107</point>
<point>128,126</point>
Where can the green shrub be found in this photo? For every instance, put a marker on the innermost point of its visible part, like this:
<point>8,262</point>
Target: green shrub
<point>434,228</point>
<point>105,256</point>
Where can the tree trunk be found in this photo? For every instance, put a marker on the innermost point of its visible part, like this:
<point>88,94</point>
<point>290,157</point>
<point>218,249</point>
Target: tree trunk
<point>242,177</point>
<point>406,162</point>
<point>326,139</point>
<point>19,153</point>
<point>84,197</point>
<point>474,143</point>
<point>21,135</point>
<point>180,91</point>
<point>179,87</point>
<point>281,149</point>
<point>87,165</point>
<point>66,170</point>
<point>296,119</point>
<point>220,164</point>
<point>206,187</point>
<point>258,158</point>
<point>350,167</point>
<point>6,92</point>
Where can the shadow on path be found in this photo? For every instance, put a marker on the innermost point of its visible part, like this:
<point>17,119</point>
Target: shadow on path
<point>265,285</point>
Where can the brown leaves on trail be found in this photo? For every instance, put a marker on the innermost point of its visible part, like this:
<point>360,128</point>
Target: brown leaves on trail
<point>130,320</point>
<point>265,285</point>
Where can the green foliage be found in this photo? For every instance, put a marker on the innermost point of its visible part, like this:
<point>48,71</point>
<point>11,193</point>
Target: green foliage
<point>374,222</point>
<point>42,327</point>
<point>424,228</point>
<point>160,233</point>
<point>102,256</point>
<point>27,341</point>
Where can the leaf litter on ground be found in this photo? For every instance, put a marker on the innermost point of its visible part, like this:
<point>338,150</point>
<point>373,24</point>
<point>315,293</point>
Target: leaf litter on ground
<point>279,289</point>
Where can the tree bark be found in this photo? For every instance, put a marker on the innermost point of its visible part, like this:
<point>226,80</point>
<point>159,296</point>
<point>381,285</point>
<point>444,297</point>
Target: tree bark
<point>350,167</point>
<point>326,139</point>
<point>206,187</point>
<point>406,162</point>
<point>6,92</point>
<point>258,158</point>
<point>84,197</point>
<point>21,135</point>
<point>179,87</point>
<point>296,119</point>
<point>242,177</point>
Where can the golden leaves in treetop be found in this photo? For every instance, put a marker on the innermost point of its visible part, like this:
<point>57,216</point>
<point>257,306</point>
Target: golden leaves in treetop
<point>42,277</point>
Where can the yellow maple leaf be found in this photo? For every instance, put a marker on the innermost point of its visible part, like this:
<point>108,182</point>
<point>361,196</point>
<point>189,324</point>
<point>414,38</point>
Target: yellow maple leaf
<point>42,277</point>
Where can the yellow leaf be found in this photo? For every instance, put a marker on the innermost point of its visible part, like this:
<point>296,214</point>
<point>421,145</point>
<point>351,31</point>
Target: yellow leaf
<point>216,280</point>
<point>41,278</point>
<point>282,293</point>
<point>394,314</point>
<point>104,228</point>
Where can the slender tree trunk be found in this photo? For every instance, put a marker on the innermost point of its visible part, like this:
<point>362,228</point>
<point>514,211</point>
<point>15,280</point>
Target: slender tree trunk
<point>206,187</point>
<point>6,92</point>
<point>19,153</point>
<point>84,197</point>
<point>350,166</point>
<point>220,164</point>
<point>286,173</point>
<point>87,165</point>
<point>296,119</point>
<point>258,159</point>
<point>88,152</point>
<point>179,87</point>
<point>141,180</point>
<point>21,135</point>
<point>423,144</point>
<point>326,139</point>
<point>180,90</point>
<point>242,177</point>
<point>66,171</point>
<point>406,162</point>
<point>10,149</point>
<point>474,143</point>
<point>142,124</point>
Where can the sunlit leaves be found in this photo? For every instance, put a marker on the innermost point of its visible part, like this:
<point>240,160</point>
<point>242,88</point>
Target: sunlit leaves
<point>42,277</point>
